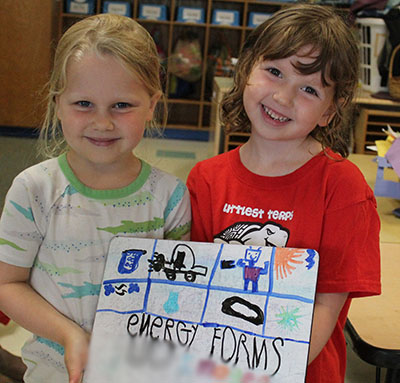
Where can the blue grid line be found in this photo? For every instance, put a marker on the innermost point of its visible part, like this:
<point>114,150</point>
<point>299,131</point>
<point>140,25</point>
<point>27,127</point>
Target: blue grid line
<point>209,282</point>
<point>271,286</point>
<point>146,295</point>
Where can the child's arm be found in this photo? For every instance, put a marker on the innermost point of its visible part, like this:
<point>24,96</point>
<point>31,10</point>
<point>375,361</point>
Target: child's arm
<point>326,312</point>
<point>31,311</point>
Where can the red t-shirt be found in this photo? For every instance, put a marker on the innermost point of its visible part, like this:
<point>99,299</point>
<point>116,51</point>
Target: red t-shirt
<point>325,205</point>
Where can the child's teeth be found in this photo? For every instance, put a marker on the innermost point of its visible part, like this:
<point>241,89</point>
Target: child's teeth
<point>274,116</point>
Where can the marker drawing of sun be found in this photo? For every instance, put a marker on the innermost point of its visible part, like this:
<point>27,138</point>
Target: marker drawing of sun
<point>286,261</point>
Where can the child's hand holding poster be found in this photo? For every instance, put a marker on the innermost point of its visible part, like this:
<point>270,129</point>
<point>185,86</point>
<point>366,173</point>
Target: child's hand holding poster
<point>202,312</point>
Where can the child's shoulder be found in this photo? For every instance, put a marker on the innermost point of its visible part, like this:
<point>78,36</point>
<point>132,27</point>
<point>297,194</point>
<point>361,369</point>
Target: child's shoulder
<point>344,180</point>
<point>161,179</point>
<point>40,172</point>
<point>43,178</point>
<point>342,168</point>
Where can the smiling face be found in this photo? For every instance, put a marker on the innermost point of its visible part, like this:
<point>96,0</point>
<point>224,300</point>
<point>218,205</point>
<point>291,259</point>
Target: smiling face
<point>284,104</point>
<point>103,112</point>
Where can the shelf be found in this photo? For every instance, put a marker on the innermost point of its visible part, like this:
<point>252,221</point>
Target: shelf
<point>186,101</point>
<point>194,110</point>
<point>73,15</point>
<point>233,27</point>
<point>369,127</point>
<point>187,127</point>
<point>233,140</point>
<point>147,21</point>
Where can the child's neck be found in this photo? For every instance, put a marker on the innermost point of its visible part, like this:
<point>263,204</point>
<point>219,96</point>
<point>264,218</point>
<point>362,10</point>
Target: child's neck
<point>105,177</point>
<point>275,158</point>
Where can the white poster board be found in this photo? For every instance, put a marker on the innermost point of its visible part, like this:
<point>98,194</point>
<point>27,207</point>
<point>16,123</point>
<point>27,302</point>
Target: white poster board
<point>172,311</point>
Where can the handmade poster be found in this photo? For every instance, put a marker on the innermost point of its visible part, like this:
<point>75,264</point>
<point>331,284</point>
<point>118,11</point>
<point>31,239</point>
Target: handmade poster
<point>172,311</point>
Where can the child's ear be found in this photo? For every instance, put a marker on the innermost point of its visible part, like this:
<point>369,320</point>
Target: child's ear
<point>153,103</point>
<point>327,117</point>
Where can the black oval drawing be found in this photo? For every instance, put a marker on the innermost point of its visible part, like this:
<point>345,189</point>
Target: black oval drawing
<point>227,309</point>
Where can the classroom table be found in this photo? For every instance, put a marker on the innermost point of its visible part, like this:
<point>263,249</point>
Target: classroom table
<point>373,325</point>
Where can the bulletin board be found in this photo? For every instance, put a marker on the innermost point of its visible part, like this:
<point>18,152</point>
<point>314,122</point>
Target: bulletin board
<point>176,311</point>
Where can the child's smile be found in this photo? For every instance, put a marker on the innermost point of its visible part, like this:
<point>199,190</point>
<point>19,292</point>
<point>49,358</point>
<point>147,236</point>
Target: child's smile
<point>275,116</point>
<point>98,141</point>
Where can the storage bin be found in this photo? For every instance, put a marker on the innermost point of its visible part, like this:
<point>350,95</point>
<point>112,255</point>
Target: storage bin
<point>225,17</point>
<point>152,12</point>
<point>122,8</point>
<point>372,33</point>
<point>191,15</point>
<point>84,7</point>
<point>257,18</point>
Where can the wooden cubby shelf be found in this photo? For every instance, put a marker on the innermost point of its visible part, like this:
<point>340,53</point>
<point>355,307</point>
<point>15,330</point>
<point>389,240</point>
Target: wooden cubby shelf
<point>193,110</point>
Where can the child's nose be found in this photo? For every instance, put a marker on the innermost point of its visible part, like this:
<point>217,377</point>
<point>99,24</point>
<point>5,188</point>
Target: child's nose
<point>284,95</point>
<point>103,121</point>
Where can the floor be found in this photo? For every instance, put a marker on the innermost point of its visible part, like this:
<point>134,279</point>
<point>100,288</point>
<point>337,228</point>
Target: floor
<point>178,157</point>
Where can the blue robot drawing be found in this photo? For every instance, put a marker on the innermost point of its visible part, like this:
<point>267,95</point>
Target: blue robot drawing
<point>251,273</point>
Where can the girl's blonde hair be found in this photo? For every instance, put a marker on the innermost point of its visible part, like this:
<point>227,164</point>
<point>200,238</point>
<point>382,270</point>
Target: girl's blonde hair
<point>115,35</point>
<point>282,36</point>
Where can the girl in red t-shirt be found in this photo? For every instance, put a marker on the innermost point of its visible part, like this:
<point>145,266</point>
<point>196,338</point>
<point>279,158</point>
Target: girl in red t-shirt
<point>289,185</point>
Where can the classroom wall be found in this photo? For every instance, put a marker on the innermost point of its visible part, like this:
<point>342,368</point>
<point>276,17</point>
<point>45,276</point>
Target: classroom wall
<point>26,33</point>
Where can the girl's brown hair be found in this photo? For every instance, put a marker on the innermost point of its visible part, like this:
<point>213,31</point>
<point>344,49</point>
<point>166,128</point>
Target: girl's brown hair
<point>119,36</point>
<point>282,36</point>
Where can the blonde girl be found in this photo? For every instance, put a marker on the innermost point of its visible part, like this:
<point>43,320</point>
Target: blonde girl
<point>60,215</point>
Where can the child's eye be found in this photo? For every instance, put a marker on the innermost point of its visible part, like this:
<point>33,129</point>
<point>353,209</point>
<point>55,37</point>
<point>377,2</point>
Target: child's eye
<point>276,72</point>
<point>122,105</point>
<point>310,90</point>
<point>84,104</point>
